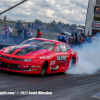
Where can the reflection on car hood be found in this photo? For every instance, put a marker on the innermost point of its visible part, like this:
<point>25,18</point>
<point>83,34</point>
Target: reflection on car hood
<point>24,49</point>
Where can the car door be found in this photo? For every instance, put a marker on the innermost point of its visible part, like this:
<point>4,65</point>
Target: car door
<point>62,55</point>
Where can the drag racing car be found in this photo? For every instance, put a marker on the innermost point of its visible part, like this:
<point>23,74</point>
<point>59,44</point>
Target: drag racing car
<point>38,56</point>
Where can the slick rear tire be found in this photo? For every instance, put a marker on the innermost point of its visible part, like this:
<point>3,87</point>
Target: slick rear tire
<point>43,69</point>
<point>71,63</point>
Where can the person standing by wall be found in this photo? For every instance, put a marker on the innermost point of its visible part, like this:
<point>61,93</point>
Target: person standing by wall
<point>76,40</point>
<point>41,27</point>
<point>29,25</point>
<point>25,33</point>
<point>32,27</point>
<point>6,33</point>
<point>10,33</point>
<point>39,34</point>
<point>3,36</point>
<point>20,32</point>
<point>30,34</point>
<point>71,39</point>
<point>62,37</point>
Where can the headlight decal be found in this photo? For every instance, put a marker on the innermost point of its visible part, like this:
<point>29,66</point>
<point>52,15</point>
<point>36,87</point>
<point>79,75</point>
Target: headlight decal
<point>17,59</point>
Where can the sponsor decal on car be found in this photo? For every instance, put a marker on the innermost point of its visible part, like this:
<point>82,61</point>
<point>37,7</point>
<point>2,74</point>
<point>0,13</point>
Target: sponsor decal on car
<point>33,66</point>
<point>38,66</point>
<point>61,58</point>
<point>52,62</point>
<point>42,57</point>
<point>48,57</point>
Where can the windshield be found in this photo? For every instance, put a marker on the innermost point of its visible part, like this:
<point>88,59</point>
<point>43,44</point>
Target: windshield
<point>45,44</point>
<point>32,41</point>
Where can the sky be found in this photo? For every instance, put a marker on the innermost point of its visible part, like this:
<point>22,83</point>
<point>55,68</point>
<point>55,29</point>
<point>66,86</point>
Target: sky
<point>66,11</point>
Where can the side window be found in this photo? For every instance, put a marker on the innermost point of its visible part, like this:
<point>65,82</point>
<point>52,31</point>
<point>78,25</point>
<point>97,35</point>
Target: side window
<point>67,47</point>
<point>61,48</point>
<point>58,49</point>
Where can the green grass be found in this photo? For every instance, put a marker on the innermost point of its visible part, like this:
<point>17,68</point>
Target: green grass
<point>47,35</point>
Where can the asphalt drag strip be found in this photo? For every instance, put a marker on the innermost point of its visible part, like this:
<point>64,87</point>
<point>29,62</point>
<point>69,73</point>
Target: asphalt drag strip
<point>63,86</point>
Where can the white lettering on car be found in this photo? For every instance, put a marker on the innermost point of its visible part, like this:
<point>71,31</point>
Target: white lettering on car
<point>42,57</point>
<point>61,58</point>
<point>48,57</point>
<point>52,62</point>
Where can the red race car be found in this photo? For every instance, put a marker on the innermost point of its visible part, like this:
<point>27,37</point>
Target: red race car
<point>38,56</point>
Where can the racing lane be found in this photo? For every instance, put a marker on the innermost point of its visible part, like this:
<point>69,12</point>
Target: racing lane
<point>62,86</point>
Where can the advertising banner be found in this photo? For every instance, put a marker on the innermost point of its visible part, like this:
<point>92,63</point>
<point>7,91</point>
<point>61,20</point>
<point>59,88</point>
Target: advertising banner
<point>97,9</point>
<point>96,24</point>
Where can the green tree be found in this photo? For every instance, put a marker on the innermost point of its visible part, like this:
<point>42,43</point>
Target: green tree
<point>38,22</point>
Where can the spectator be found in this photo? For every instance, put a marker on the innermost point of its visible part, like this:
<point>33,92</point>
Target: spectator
<point>62,37</point>
<point>41,27</point>
<point>71,39</point>
<point>88,39</point>
<point>76,40</point>
<point>25,33</point>
<point>20,24</point>
<point>17,25</point>
<point>75,33</point>
<point>29,25</point>
<point>38,33</point>
<point>30,34</point>
<point>10,32</point>
<point>3,32</point>
<point>82,40</point>
<point>79,40</point>
<point>4,29</point>
<point>32,26</point>
<point>36,26</point>
<point>20,32</point>
<point>67,39</point>
<point>6,33</point>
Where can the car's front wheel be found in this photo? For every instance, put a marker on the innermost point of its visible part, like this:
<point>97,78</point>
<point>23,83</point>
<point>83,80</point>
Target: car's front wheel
<point>43,69</point>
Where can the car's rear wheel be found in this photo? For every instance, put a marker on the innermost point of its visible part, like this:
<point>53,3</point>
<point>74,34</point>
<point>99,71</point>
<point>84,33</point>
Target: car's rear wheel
<point>43,69</point>
<point>71,63</point>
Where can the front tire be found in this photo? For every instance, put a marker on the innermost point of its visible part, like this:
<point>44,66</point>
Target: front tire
<point>43,69</point>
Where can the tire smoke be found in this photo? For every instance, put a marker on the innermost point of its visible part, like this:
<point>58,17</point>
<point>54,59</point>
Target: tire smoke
<point>89,58</point>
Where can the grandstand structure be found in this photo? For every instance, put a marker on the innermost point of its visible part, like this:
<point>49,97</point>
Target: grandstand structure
<point>92,25</point>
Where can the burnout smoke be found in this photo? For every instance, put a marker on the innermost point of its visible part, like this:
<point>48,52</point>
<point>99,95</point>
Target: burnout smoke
<point>89,58</point>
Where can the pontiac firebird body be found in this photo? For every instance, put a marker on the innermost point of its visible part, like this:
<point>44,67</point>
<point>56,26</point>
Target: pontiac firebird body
<point>37,56</point>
